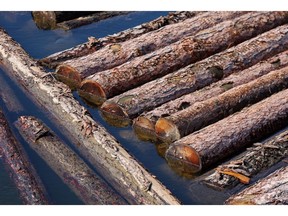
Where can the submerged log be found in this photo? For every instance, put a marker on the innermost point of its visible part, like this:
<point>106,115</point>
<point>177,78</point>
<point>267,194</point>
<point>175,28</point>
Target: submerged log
<point>73,71</point>
<point>31,189</point>
<point>94,44</point>
<point>201,114</point>
<point>255,159</point>
<point>216,142</point>
<point>272,190</point>
<point>69,167</point>
<point>94,143</point>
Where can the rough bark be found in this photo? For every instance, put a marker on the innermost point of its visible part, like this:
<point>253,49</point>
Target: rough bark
<point>72,169</point>
<point>73,71</point>
<point>30,187</point>
<point>255,159</point>
<point>201,114</point>
<point>95,144</point>
<point>106,84</point>
<point>94,44</point>
<point>272,190</point>
<point>216,142</point>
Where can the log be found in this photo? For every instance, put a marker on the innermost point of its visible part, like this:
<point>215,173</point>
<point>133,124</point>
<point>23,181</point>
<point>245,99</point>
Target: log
<point>29,185</point>
<point>201,114</point>
<point>255,159</point>
<point>94,44</point>
<point>91,188</point>
<point>272,190</point>
<point>220,140</point>
<point>106,84</point>
<point>72,72</point>
<point>95,144</point>
<point>196,76</point>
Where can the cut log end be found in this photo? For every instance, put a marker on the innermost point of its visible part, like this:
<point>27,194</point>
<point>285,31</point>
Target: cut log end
<point>44,20</point>
<point>69,76</point>
<point>144,129</point>
<point>92,92</point>
<point>166,130</point>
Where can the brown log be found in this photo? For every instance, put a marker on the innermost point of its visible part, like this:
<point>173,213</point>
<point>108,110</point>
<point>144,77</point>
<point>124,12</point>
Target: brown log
<point>106,84</point>
<point>69,167</point>
<point>272,190</point>
<point>73,71</point>
<point>29,185</point>
<point>94,143</point>
<point>255,159</point>
<point>94,44</point>
<point>201,114</point>
<point>216,142</point>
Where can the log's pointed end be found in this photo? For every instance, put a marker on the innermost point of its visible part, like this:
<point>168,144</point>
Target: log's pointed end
<point>166,130</point>
<point>184,158</point>
<point>114,114</point>
<point>144,128</point>
<point>93,92</point>
<point>68,75</point>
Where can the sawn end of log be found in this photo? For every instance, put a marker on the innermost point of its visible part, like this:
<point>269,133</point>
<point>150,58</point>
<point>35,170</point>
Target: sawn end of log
<point>68,75</point>
<point>144,129</point>
<point>92,92</point>
<point>166,130</point>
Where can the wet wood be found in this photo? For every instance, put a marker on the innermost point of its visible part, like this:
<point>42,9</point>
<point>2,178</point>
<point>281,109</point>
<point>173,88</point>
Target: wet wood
<point>94,143</point>
<point>272,190</point>
<point>73,71</point>
<point>201,114</point>
<point>255,159</point>
<point>106,84</point>
<point>216,142</point>
<point>91,188</point>
<point>93,44</point>
<point>29,185</point>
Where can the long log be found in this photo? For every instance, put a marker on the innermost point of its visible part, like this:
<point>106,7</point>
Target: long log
<point>216,142</point>
<point>94,143</point>
<point>255,159</point>
<point>94,44</point>
<point>272,190</point>
<point>196,76</point>
<point>73,71</point>
<point>69,166</point>
<point>29,185</point>
<point>106,84</point>
<point>201,114</point>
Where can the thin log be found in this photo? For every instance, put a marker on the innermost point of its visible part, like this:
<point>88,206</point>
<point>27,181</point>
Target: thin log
<point>272,190</point>
<point>201,114</point>
<point>100,148</point>
<point>29,185</point>
<point>106,84</point>
<point>94,44</point>
<point>216,142</point>
<point>73,71</point>
<point>70,167</point>
<point>255,159</point>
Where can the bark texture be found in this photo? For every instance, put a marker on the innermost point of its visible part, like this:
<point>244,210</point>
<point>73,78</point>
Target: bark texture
<point>216,142</point>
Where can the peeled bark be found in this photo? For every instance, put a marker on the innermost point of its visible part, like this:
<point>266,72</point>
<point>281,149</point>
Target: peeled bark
<point>216,142</point>
<point>201,114</point>
<point>69,167</point>
<point>272,190</point>
<point>73,71</point>
<point>30,187</point>
<point>94,44</point>
<point>106,84</point>
<point>94,143</point>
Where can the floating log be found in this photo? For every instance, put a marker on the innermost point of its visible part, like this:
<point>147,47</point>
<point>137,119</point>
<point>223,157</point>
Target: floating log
<point>73,71</point>
<point>201,114</point>
<point>272,190</point>
<point>216,142</point>
<point>94,44</point>
<point>196,76</point>
<point>29,185</point>
<point>255,159</point>
<point>94,143</point>
<point>69,167</point>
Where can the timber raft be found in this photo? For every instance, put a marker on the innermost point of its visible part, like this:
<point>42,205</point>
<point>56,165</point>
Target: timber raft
<point>207,89</point>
